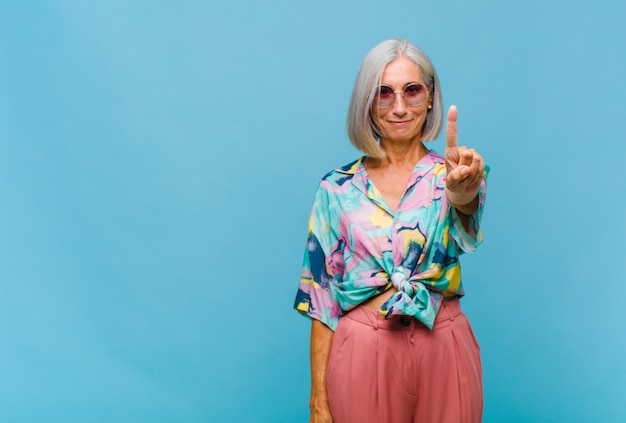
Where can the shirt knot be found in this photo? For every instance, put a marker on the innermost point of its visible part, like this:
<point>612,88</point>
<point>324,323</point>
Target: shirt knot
<point>400,281</point>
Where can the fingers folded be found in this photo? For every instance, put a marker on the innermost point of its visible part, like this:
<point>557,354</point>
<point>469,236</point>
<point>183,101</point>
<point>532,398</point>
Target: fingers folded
<point>469,172</point>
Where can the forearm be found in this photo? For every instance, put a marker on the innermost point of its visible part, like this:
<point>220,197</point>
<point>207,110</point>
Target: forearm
<point>464,205</point>
<point>321,340</point>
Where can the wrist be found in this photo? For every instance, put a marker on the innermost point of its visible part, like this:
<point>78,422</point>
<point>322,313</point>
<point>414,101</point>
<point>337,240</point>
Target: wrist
<point>318,401</point>
<point>463,203</point>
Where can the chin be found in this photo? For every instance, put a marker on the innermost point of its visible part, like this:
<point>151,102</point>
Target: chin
<point>404,137</point>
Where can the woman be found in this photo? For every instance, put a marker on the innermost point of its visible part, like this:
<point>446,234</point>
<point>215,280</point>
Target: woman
<point>381,276</point>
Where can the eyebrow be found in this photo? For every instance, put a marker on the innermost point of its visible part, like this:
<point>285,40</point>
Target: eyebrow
<point>405,85</point>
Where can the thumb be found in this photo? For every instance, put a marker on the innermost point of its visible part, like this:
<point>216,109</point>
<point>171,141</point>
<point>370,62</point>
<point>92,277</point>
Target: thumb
<point>451,134</point>
<point>456,177</point>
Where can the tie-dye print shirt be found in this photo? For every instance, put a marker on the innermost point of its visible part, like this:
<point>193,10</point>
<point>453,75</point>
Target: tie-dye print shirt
<point>357,247</point>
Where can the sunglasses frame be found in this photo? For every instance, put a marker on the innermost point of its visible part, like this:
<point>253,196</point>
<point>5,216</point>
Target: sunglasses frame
<point>402,93</point>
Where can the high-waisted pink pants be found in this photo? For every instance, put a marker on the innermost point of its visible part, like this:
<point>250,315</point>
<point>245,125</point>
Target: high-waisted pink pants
<point>399,371</point>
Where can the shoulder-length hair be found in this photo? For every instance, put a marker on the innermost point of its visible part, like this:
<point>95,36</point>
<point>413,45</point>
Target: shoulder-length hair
<point>360,124</point>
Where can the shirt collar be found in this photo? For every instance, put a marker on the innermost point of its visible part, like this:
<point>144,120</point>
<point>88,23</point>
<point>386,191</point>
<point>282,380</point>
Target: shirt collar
<point>351,168</point>
<point>360,179</point>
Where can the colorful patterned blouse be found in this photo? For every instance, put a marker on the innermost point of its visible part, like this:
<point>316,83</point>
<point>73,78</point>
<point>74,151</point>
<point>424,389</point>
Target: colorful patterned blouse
<point>357,247</point>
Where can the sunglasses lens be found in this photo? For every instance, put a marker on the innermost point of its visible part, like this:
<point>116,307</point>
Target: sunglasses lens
<point>386,96</point>
<point>415,94</point>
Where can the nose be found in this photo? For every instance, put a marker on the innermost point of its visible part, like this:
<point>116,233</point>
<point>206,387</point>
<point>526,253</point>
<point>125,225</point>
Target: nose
<point>399,105</point>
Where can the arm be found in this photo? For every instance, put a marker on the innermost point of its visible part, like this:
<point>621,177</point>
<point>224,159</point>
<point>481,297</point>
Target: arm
<point>465,170</point>
<point>321,340</point>
<point>464,211</point>
<point>315,299</point>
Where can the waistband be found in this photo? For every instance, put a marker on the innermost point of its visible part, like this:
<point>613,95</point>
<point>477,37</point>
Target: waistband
<point>448,310</point>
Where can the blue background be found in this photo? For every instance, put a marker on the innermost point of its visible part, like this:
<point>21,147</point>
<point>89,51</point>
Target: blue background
<point>157,166</point>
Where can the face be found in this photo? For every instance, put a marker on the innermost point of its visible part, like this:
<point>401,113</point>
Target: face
<point>401,122</point>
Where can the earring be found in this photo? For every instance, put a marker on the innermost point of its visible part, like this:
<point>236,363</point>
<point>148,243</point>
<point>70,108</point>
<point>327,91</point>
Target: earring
<point>430,106</point>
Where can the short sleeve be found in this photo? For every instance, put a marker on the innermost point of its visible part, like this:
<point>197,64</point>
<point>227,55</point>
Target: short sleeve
<point>469,240</point>
<point>316,293</point>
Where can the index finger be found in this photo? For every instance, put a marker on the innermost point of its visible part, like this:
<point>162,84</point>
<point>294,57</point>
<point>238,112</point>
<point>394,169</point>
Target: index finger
<point>451,134</point>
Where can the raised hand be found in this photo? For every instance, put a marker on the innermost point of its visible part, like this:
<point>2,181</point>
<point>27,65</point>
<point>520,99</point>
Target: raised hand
<point>464,168</point>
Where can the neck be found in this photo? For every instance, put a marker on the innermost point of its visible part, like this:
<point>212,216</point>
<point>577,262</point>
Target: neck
<point>402,154</point>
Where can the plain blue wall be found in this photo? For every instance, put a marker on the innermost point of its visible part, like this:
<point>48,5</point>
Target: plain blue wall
<point>157,166</point>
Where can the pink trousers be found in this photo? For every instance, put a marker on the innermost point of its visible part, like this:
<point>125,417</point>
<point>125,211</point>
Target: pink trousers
<point>399,371</point>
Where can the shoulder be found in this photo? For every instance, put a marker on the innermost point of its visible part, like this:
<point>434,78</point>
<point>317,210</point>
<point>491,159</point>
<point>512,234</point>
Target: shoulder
<point>432,167</point>
<point>435,159</point>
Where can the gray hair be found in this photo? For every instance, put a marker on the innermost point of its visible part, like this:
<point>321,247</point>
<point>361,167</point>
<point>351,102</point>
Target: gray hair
<point>360,124</point>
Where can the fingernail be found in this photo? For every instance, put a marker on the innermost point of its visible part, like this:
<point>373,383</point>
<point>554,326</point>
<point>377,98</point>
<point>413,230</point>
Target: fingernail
<point>465,171</point>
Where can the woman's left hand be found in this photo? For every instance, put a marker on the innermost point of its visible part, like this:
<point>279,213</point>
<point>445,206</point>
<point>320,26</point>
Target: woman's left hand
<point>464,168</point>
